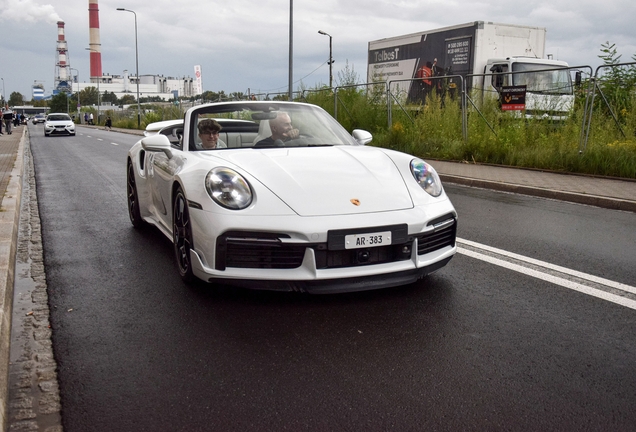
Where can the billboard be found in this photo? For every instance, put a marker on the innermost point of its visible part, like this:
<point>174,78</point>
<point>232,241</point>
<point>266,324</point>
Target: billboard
<point>198,85</point>
<point>421,56</point>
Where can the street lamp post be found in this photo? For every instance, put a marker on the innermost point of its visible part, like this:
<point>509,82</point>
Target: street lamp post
<point>79,105</point>
<point>330,58</point>
<point>136,66</point>
<point>98,95</point>
<point>291,50</point>
<point>4,96</point>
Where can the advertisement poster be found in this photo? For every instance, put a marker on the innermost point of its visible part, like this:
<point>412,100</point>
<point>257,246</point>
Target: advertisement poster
<point>198,84</point>
<point>513,98</point>
<point>410,62</point>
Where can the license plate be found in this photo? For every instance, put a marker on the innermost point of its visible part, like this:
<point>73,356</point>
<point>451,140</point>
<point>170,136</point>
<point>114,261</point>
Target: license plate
<point>367,240</point>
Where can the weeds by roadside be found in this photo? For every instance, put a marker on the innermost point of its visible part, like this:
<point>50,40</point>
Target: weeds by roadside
<point>434,131</point>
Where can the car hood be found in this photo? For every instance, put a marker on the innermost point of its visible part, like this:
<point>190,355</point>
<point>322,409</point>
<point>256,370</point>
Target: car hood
<point>321,181</point>
<point>60,122</point>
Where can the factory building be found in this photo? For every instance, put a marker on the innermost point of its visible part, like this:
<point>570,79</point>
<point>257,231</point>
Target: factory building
<point>166,88</point>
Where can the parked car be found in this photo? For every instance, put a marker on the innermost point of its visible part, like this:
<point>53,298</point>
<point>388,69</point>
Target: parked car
<point>304,206</point>
<point>38,118</point>
<point>59,124</point>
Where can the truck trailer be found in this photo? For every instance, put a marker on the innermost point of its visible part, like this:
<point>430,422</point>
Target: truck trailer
<point>489,57</point>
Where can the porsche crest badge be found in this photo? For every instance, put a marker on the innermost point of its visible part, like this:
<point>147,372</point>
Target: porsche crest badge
<point>355,201</point>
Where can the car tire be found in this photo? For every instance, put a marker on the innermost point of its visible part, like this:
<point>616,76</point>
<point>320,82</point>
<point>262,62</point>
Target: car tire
<point>46,135</point>
<point>133,201</point>
<point>182,236</point>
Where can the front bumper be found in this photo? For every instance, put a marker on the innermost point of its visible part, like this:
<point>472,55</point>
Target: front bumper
<point>342,285</point>
<point>304,259</point>
<point>59,130</point>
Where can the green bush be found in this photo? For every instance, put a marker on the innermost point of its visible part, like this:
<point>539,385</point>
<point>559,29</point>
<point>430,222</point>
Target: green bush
<point>434,131</point>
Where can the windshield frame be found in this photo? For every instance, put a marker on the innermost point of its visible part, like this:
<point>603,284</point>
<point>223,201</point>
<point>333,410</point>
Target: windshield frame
<point>316,126</point>
<point>542,78</point>
<point>58,117</point>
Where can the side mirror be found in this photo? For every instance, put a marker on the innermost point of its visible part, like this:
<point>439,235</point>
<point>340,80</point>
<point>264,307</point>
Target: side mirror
<point>157,143</point>
<point>361,136</point>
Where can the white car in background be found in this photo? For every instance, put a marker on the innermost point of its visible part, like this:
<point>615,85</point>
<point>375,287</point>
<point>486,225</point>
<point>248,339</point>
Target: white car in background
<point>59,124</point>
<point>319,212</point>
<point>38,118</point>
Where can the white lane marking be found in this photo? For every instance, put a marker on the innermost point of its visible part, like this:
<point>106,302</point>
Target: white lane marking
<point>99,139</point>
<point>114,144</point>
<point>578,274</point>
<point>604,295</point>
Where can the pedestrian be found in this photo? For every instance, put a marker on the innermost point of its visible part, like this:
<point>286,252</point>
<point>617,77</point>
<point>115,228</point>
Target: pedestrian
<point>109,123</point>
<point>7,116</point>
<point>90,119</point>
<point>85,118</point>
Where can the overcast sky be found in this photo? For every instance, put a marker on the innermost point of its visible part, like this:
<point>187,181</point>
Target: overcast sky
<point>244,44</point>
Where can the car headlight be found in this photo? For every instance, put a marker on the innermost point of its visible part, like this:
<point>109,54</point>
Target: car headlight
<point>426,176</point>
<point>228,188</point>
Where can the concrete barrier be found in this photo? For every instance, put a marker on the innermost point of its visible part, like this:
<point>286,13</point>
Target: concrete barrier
<point>9,223</point>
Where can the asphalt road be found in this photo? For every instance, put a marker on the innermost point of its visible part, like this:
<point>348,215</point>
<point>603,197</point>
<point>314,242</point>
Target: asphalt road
<point>477,346</point>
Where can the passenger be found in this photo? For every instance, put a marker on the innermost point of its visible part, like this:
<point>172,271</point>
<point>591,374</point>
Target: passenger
<point>282,130</point>
<point>209,130</point>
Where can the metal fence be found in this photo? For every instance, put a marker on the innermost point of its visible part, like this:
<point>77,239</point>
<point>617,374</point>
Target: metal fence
<point>588,86</point>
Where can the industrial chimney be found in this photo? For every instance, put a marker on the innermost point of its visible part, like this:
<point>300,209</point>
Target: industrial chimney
<point>62,68</point>
<point>94,42</point>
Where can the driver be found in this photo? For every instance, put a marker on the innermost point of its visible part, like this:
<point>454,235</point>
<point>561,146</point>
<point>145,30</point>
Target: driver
<point>282,130</point>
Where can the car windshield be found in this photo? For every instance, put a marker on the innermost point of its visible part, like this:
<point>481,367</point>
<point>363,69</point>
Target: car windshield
<point>58,117</point>
<point>556,81</point>
<point>264,125</point>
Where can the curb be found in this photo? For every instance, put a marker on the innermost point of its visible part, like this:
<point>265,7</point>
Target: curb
<point>593,200</point>
<point>9,223</point>
<point>122,130</point>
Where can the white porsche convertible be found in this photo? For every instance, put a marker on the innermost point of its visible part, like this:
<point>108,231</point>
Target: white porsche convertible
<point>287,199</point>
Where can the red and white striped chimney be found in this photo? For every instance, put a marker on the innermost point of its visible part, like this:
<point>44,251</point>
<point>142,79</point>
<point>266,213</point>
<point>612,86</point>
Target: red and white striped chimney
<point>94,42</point>
<point>62,73</point>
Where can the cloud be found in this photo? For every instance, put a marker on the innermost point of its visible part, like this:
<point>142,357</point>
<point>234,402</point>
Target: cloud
<point>27,10</point>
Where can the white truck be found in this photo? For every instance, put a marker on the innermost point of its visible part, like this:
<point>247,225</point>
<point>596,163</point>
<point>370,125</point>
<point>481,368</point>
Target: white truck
<point>488,55</point>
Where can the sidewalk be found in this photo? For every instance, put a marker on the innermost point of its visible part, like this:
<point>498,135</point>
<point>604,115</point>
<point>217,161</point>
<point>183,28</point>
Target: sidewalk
<point>611,193</point>
<point>598,191</point>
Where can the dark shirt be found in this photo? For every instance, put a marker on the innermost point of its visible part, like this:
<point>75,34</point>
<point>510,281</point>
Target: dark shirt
<point>266,142</point>
<point>270,142</point>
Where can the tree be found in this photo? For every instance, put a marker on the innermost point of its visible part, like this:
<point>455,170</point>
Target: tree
<point>59,103</point>
<point>151,99</point>
<point>617,82</point>
<point>39,103</point>
<point>127,100</point>
<point>16,99</point>
<point>210,96</point>
<point>88,96</point>
<point>348,76</point>
<point>109,97</point>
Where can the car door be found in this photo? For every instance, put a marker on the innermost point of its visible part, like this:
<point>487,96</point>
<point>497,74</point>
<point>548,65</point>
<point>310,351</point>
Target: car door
<point>161,177</point>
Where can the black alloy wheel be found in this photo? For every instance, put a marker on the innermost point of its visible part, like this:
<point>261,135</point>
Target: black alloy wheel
<point>133,201</point>
<point>182,236</point>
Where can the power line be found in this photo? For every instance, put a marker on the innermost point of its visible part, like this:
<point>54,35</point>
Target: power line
<point>296,82</point>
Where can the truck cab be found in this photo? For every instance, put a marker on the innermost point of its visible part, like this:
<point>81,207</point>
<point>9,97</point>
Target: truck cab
<point>549,91</point>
